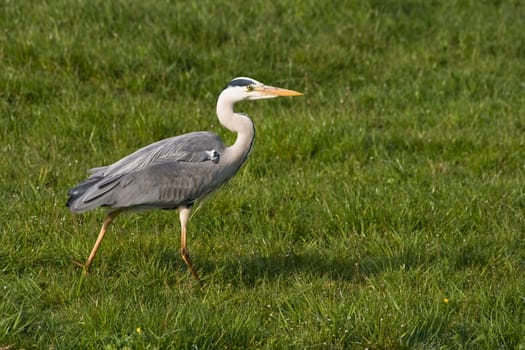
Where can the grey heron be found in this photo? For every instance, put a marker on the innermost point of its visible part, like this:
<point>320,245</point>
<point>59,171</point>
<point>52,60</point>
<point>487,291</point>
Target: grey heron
<point>175,172</point>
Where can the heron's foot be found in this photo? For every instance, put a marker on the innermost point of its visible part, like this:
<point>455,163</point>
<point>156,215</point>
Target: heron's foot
<point>82,265</point>
<point>186,257</point>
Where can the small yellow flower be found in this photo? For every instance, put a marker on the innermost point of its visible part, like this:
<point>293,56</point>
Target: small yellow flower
<point>138,330</point>
<point>445,300</point>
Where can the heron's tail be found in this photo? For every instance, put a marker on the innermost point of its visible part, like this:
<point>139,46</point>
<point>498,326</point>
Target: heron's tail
<point>76,201</point>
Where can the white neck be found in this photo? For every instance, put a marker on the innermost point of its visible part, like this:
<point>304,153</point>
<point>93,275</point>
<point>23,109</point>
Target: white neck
<point>238,123</point>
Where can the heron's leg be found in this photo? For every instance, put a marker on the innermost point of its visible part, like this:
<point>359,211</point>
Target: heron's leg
<point>109,218</point>
<point>184,214</point>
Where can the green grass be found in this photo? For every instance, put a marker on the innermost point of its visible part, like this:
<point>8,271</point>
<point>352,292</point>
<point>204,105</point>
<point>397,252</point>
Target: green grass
<point>385,209</point>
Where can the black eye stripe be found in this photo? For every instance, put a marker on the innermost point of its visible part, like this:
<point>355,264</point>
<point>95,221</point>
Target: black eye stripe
<point>240,82</point>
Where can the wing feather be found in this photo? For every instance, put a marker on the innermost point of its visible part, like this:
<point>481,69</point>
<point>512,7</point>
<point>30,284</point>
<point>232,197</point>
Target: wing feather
<point>170,184</point>
<point>192,147</point>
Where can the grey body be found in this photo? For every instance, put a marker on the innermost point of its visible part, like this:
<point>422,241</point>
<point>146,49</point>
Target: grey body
<point>167,174</point>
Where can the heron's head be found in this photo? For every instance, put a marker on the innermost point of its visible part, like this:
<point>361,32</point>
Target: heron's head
<point>243,88</point>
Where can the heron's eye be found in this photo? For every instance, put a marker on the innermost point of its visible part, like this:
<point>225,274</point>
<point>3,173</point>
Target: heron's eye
<point>250,87</point>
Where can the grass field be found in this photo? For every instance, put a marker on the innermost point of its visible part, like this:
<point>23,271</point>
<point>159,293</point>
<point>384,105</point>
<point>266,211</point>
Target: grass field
<point>385,209</point>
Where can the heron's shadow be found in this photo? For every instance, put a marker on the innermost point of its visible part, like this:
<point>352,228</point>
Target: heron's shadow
<point>247,269</point>
<point>250,268</point>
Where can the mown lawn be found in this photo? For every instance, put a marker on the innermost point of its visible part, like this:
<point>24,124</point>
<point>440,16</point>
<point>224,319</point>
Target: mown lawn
<point>385,209</point>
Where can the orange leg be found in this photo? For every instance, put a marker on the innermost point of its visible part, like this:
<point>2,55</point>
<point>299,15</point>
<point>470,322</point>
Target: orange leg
<point>184,214</point>
<point>109,218</point>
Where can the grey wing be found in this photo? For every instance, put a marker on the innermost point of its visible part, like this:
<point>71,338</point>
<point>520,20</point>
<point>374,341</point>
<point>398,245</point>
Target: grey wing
<point>168,185</point>
<point>193,147</point>
<point>100,188</point>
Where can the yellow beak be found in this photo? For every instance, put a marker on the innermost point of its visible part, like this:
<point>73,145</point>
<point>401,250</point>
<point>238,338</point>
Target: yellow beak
<point>275,91</point>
